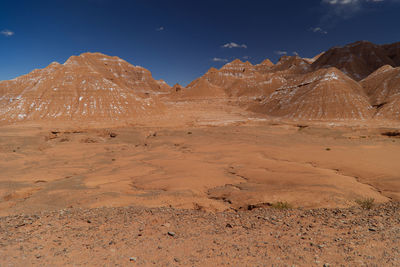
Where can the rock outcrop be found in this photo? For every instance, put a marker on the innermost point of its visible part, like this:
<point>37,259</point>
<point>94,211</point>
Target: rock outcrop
<point>91,86</point>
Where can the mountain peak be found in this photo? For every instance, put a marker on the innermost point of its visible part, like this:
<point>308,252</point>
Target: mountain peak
<point>238,65</point>
<point>267,62</point>
<point>90,56</point>
<point>212,70</point>
<point>236,61</point>
<point>360,43</point>
<point>91,86</point>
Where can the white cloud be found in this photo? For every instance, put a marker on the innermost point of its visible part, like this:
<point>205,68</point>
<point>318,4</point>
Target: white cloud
<point>246,57</point>
<point>7,33</point>
<point>333,11</point>
<point>295,53</point>
<point>345,9</point>
<point>339,2</point>
<point>281,53</point>
<point>349,2</point>
<point>318,30</point>
<point>160,29</point>
<point>217,59</point>
<point>234,45</point>
<point>342,8</point>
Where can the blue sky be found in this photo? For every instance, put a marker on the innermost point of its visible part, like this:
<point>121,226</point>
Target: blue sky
<point>179,40</point>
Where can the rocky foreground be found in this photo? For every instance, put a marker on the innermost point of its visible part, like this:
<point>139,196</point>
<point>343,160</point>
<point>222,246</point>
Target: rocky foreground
<point>134,236</point>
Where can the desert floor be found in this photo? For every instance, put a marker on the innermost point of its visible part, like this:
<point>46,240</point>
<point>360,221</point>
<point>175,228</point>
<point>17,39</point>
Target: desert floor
<point>131,236</point>
<point>211,176</point>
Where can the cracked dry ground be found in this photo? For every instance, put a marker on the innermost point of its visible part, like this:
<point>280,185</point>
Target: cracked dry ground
<point>199,183</point>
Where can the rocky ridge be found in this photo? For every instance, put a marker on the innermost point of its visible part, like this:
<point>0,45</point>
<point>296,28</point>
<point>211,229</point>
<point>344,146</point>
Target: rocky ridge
<point>355,82</point>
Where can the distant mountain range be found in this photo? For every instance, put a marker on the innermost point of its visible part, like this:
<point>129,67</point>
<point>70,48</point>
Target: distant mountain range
<point>360,81</point>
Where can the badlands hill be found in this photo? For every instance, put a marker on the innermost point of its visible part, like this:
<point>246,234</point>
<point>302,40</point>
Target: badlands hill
<point>383,89</point>
<point>231,80</point>
<point>360,59</point>
<point>237,78</point>
<point>356,82</point>
<point>91,86</point>
<point>326,87</point>
<point>326,94</point>
<point>291,65</point>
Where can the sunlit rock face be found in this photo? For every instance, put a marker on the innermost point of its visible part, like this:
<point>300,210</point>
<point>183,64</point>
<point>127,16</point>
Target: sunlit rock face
<point>326,94</point>
<point>383,89</point>
<point>91,86</point>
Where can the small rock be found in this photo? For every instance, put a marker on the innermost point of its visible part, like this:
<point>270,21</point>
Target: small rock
<point>176,260</point>
<point>134,259</point>
<point>171,233</point>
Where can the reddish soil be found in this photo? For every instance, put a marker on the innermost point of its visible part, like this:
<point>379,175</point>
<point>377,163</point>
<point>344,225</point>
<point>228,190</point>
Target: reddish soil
<point>170,237</point>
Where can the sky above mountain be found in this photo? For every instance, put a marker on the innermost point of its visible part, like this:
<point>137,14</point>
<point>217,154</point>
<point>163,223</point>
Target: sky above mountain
<point>179,40</point>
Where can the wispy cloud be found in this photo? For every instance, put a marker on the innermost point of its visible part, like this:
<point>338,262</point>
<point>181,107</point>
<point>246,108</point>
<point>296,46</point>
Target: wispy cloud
<point>160,29</point>
<point>334,11</point>
<point>295,53</point>
<point>348,8</point>
<point>318,30</point>
<point>217,59</point>
<point>246,57</point>
<point>7,33</point>
<point>234,45</point>
<point>349,2</point>
<point>281,53</point>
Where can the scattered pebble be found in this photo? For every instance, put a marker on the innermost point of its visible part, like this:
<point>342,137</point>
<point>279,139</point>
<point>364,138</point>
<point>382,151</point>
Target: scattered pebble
<point>171,233</point>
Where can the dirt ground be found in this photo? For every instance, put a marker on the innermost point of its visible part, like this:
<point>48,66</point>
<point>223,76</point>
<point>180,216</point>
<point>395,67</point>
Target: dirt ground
<point>199,170</point>
<point>170,237</point>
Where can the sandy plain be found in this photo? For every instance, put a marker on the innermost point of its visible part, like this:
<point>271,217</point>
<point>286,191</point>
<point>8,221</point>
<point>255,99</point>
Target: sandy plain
<point>203,158</point>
